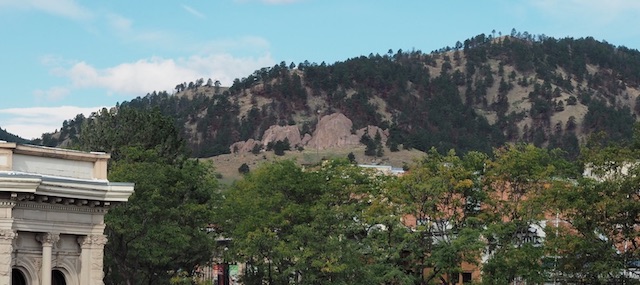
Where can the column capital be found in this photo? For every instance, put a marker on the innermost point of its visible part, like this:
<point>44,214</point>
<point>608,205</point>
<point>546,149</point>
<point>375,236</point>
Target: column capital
<point>8,234</point>
<point>48,239</point>
<point>88,240</point>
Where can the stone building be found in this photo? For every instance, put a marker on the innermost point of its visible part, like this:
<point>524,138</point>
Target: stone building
<point>52,207</point>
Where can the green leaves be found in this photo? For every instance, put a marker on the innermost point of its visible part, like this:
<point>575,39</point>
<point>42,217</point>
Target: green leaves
<point>162,228</point>
<point>441,193</point>
<point>524,213</point>
<point>110,130</point>
<point>304,226</point>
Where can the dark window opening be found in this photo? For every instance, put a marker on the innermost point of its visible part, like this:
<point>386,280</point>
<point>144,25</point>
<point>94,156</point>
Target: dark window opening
<point>57,278</point>
<point>17,278</point>
<point>466,277</point>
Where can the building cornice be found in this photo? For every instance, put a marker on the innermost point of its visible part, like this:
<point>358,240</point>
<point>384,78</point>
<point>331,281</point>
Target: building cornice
<point>53,152</point>
<point>96,190</point>
<point>76,207</point>
<point>19,183</point>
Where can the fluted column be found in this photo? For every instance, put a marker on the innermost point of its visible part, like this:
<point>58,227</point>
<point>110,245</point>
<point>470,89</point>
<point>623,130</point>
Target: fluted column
<point>47,240</point>
<point>91,271</point>
<point>6,249</point>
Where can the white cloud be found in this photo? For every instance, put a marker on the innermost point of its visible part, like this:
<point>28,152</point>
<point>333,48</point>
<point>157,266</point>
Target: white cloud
<point>193,11</point>
<point>64,8</point>
<point>158,73</point>
<point>31,123</point>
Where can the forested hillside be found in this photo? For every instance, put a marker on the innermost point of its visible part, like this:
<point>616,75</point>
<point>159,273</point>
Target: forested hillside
<point>476,95</point>
<point>9,137</point>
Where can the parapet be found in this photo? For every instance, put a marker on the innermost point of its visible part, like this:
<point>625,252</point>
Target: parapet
<point>53,161</point>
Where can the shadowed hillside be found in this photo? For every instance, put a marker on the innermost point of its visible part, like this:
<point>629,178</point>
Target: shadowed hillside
<point>9,137</point>
<point>476,95</point>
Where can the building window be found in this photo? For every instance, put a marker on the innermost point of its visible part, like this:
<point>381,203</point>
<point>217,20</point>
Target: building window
<point>466,277</point>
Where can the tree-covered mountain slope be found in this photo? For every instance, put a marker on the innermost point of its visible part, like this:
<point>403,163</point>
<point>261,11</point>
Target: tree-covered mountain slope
<point>476,95</point>
<point>9,137</point>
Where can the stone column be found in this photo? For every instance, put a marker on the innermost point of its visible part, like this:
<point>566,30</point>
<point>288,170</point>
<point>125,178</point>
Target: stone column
<point>6,252</point>
<point>47,240</point>
<point>85,258</point>
<point>91,271</point>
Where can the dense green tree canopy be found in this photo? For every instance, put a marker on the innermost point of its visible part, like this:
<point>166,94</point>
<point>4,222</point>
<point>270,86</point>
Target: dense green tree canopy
<point>525,213</point>
<point>295,226</point>
<point>161,230</point>
<point>442,193</point>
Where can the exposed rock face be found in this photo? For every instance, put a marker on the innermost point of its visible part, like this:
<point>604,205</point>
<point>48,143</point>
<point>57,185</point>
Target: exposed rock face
<point>306,139</point>
<point>242,147</point>
<point>280,133</point>
<point>372,130</point>
<point>333,131</point>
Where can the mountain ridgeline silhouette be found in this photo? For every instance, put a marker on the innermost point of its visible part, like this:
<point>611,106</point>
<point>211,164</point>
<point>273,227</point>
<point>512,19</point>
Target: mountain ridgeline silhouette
<point>476,95</point>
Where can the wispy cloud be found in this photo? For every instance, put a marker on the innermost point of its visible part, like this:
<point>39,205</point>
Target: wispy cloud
<point>119,23</point>
<point>193,11</point>
<point>63,8</point>
<point>31,123</point>
<point>52,94</point>
<point>156,73</point>
<point>124,28</point>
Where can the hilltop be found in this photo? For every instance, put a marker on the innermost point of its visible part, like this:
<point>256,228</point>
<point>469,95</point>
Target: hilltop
<point>479,94</point>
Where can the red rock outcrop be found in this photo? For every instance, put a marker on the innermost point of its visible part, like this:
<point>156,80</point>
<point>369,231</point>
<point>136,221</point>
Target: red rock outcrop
<point>242,147</point>
<point>280,133</point>
<point>333,131</point>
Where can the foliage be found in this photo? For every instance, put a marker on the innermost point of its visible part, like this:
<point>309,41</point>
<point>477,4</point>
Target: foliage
<point>596,234</point>
<point>352,158</point>
<point>525,212</point>
<point>161,229</point>
<point>112,130</point>
<point>441,192</point>
<point>373,147</point>
<point>421,108</point>
<point>519,178</point>
<point>617,123</point>
<point>305,227</point>
<point>243,169</point>
<point>279,146</point>
<point>6,136</point>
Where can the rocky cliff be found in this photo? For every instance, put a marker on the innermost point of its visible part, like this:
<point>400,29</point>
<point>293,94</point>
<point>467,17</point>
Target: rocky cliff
<point>332,131</point>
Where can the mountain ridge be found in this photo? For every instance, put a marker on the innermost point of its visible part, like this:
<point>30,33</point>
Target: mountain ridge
<point>476,95</point>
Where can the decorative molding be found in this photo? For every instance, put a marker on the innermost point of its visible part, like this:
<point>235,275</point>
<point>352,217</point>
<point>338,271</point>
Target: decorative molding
<point>99,240</point>
<point>48,239</point>
<point>7,234</point>
<point>56,186</point>
<point>60,207</point>
<point>36,261</point>
<point>88,240</point>
<point>7,203</point>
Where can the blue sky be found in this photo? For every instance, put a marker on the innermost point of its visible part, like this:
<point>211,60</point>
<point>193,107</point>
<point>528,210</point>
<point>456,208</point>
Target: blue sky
<point>64,57</point>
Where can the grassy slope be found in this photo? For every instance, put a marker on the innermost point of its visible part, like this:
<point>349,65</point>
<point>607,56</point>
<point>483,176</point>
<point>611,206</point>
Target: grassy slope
<point>227,165</point>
